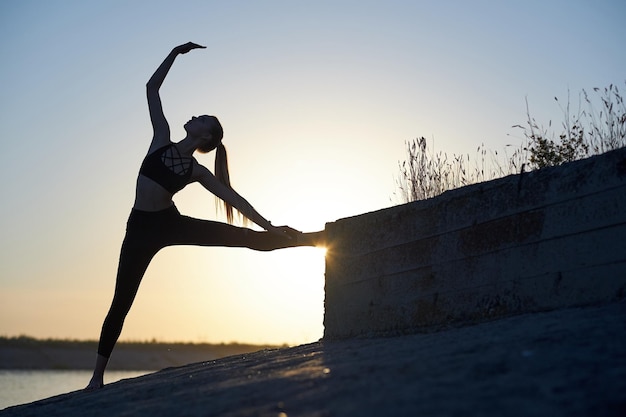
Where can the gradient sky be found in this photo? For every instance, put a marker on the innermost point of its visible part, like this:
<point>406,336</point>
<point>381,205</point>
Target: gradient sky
<point>317,100</point>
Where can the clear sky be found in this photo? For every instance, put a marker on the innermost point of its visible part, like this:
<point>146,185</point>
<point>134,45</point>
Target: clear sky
<point>317,100</point>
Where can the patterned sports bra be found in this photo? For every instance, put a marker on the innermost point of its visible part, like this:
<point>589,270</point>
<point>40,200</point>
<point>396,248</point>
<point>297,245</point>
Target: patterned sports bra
<point>168,168</point>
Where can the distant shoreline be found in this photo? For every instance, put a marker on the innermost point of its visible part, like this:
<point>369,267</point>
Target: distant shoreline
<point>29,353</point>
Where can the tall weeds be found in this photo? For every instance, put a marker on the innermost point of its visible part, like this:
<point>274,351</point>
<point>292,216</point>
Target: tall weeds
<point>589,131</point>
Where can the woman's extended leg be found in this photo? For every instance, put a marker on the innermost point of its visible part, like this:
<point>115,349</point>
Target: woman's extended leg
<point>192,231</point>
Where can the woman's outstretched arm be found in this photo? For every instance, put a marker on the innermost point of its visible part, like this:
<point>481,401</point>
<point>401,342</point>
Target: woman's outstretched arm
<point>160,126</point>
<point>208,181</point>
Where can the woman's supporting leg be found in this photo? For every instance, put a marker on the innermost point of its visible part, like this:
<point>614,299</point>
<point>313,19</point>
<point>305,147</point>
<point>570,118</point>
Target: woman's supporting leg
<point>132,265</point>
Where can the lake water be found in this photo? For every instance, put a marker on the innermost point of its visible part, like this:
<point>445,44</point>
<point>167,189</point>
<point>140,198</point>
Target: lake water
<point>25,386</point>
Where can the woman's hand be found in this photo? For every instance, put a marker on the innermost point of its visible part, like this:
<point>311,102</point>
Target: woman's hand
<point>183,49</point>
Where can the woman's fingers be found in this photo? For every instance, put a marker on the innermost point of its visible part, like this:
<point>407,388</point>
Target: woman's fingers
<point>183,49</point>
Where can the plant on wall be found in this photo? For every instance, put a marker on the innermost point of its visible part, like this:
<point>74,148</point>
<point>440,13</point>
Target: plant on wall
<point>589,131</point>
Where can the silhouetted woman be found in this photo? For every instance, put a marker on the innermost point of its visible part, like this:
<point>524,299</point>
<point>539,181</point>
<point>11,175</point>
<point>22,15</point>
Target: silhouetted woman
<point>154,221</point>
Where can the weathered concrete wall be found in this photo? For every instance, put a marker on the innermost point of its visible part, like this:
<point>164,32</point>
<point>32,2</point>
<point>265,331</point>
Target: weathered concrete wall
<point>539,241</point>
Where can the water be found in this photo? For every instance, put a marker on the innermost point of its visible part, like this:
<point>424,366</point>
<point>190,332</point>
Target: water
<point>25,386</point>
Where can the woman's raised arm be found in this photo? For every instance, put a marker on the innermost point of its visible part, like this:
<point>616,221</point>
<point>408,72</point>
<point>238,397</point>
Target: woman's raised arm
<point>159,122</point>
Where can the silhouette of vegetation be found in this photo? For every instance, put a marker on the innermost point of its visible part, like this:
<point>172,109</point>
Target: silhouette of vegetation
<point>426,174</point>
<point>589,131</point>
<point>24,341</point>
<point>25,352</point>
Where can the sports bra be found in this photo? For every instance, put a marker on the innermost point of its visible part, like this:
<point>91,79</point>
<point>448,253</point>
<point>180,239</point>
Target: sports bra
<point>168,168</point>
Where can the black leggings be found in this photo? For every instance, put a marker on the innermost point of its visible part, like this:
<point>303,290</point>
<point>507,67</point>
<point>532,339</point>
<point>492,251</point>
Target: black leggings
<point>149,232</point>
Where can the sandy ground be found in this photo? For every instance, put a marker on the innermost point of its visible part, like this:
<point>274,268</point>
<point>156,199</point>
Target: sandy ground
<point>564,363</point>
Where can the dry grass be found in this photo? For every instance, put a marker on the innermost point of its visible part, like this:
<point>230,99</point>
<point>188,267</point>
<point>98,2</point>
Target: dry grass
<point>591,130</point>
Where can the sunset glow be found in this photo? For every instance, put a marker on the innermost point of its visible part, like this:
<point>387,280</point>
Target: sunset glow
<point>317,101</point>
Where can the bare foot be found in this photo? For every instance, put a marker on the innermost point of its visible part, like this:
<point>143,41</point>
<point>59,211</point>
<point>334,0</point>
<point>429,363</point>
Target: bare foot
<point>312,239</point>
<point>95,384</point>
<point>97,378</point>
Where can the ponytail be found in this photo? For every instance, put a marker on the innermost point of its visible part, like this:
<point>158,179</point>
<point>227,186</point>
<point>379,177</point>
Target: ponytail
<point>222,175</point>
<point>221,165</point>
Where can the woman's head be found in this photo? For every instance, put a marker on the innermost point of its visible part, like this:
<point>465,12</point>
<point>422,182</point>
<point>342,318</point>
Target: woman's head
<point>207,128</point>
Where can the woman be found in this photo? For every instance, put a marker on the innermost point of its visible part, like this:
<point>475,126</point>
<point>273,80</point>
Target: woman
<point>155,223</point>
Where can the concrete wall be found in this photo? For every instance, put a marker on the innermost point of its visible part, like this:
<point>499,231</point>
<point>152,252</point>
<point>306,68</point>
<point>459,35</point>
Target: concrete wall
<point>539,241</point>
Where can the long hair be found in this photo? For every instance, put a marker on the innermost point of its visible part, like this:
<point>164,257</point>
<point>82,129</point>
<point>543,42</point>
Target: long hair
<point>221,163</point>
<point>221,166</point>
<point>222,175</point>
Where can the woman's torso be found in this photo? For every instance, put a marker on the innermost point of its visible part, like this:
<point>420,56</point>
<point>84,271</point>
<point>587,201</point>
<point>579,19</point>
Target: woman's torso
<point>163,173</point>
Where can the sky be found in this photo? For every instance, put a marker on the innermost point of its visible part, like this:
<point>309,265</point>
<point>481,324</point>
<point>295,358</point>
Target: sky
<point>317,100</point>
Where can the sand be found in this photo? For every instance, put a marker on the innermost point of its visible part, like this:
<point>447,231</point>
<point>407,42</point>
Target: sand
<point>564,363</point>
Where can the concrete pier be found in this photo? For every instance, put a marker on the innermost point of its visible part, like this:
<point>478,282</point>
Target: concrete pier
<point>538,241</point>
